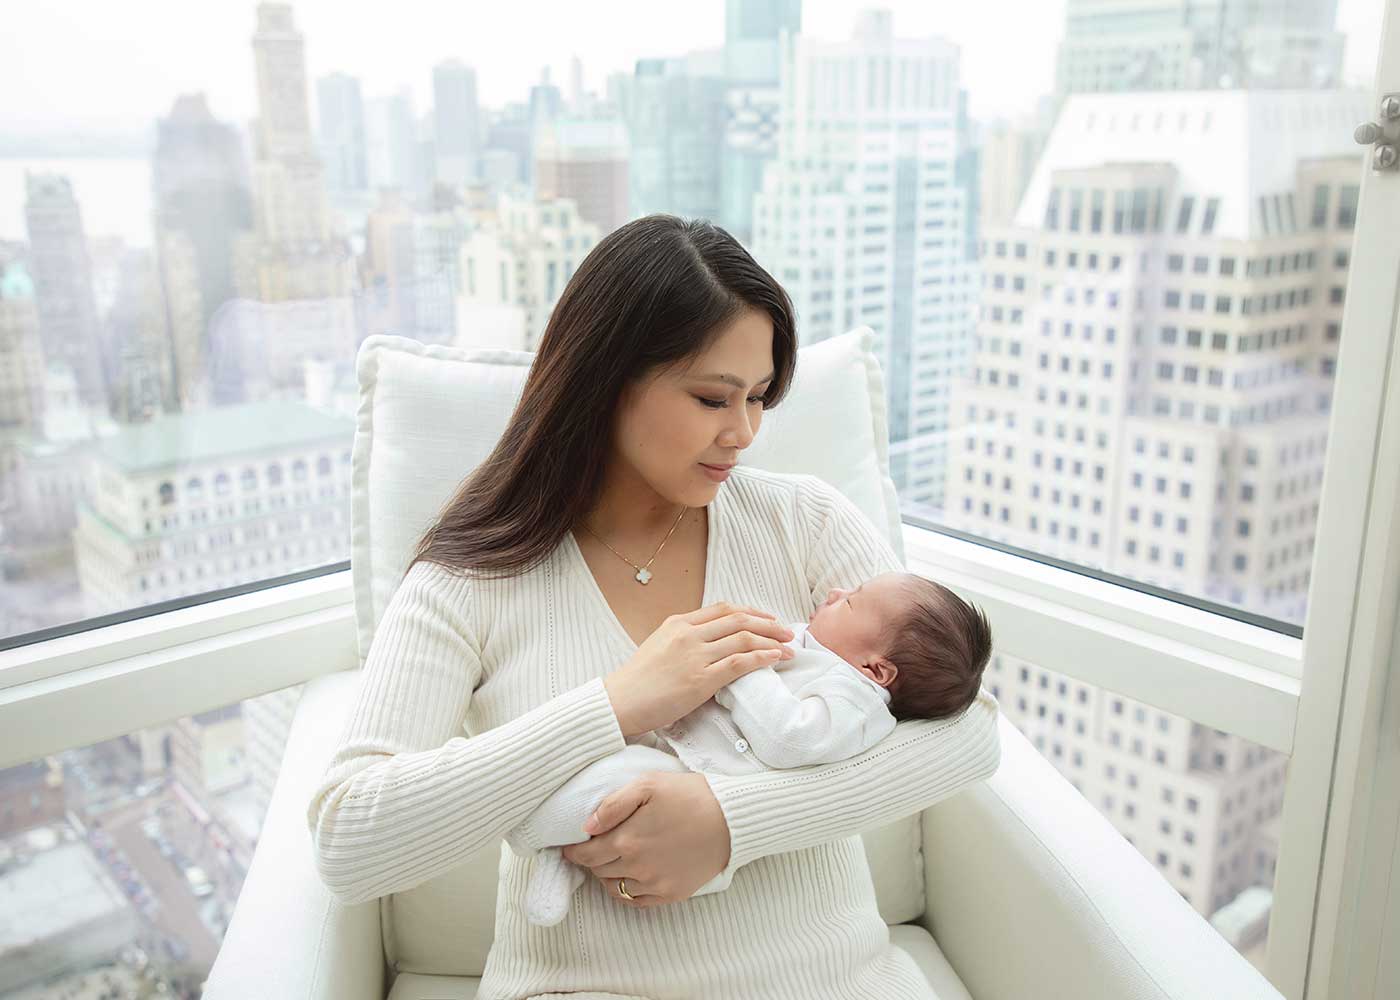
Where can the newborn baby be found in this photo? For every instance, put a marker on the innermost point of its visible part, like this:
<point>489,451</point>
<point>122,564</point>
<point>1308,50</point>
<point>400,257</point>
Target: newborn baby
<point>899,646</point>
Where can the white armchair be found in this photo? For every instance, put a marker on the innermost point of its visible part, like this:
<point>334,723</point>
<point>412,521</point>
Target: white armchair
<point>1014,889</point>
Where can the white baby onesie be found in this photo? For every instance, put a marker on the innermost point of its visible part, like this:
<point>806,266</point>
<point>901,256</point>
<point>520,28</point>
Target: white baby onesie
<point>812,709</point>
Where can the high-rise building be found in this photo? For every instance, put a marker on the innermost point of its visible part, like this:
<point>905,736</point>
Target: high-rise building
<point>1008,152</point>
<point>142,378</point>
<point>292,221</point>
<point>862,219</point>
<point>515,267</point>
<point>576,96</point>
<point>753,67</point>
<point>438,238</point>
<point>676,127</point>
<point>751,38</point>
<point>299,256</point>
<point>341,119</point>
<point>21,359</point>
<point>456,128</point>
<point>387,301</point>
<point>586,161</point>
<point>506,159</point>
<point>203,229</point>
<point>544,105</point>
<point>391,135</point>
<point>1136,45</point>
<point>1149,397</point>
<point>61,269</point>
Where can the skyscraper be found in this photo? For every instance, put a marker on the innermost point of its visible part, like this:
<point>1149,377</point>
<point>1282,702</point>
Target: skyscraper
<point>862,219</point>
<point>392,141</point>
<point>585,160</point>
<point>299,257</point>
<point>753,66</point>
<point>676,128</point>
<point>751,33</point>
<point>1123,45</point>
<point>291,203</point>
<point>1149,397</point>
<point>341,120</point>
<point>62,273</point>
<point>456,129</point>
<point>203,222</point>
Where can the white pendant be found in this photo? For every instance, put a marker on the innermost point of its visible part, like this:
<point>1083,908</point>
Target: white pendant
<point>643,575</point>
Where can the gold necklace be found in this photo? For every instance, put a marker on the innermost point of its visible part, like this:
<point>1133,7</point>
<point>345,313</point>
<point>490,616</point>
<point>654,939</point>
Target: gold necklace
<point>643,574</point>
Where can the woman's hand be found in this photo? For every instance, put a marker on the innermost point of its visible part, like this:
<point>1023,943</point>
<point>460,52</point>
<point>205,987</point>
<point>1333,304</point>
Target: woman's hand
<point>663,832</point>
<point>687,659</point>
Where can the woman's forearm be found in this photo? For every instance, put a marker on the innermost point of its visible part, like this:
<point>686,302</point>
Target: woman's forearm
<point>405,795</point>
<point>916,765</point>
<point>385,824</point>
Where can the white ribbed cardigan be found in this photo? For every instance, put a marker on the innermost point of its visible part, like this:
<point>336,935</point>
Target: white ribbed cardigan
<point>518,664</point>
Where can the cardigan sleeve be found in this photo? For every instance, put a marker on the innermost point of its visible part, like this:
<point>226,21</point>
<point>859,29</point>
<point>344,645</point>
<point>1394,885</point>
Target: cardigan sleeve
<point>919,763</point>
<point>405,795</point>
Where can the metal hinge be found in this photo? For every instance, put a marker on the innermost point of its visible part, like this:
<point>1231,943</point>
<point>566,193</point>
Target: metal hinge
<point>1384,136</point>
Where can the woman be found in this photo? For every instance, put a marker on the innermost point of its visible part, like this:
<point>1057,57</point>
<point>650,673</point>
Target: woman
<point>592,581</point>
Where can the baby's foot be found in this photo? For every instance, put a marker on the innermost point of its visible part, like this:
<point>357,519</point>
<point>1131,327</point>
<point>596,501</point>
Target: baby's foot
<point>552,884</point>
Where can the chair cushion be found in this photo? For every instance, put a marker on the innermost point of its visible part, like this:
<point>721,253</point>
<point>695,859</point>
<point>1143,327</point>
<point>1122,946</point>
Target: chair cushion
<point>910,937</point>
<point>429,414</point>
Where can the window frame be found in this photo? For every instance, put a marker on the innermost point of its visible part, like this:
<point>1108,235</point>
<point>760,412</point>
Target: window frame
<point>1235,676</point>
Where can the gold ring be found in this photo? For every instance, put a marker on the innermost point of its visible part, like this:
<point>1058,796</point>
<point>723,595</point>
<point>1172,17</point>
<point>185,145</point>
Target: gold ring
<point>622,888</point>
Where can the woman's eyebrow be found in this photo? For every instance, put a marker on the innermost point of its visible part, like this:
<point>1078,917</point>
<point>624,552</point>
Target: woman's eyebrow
<point>733,380</point>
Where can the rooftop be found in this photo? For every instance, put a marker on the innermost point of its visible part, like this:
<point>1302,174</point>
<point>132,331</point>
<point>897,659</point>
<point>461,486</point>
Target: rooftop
<point>1232,144</point>
<point>183,439</point>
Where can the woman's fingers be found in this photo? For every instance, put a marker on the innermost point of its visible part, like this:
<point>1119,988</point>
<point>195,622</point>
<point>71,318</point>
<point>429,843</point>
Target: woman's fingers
<point>641,899</point>
<point>744,627</point>
<point>615,808</point>
<point>722,609</point>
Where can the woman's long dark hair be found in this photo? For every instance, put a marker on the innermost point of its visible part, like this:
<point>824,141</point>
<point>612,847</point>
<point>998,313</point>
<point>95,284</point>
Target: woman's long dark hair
<point>651,295</point>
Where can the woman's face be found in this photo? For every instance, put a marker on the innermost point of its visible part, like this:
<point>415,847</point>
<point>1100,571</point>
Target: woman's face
<point>671,423</point>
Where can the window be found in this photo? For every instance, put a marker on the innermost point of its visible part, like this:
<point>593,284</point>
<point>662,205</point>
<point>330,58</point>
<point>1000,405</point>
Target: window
<point>1321,194</point>
<point>272,489</point>
<point>1208,220</point>
<point>1346,206</point>
<point>1183,215</point>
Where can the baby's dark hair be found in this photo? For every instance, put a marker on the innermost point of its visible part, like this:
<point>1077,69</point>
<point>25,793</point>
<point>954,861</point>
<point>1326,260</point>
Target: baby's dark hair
<point>939,645</point>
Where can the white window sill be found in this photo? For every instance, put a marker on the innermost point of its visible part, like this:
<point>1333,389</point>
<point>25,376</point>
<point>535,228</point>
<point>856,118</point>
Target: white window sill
<point>94,685</point>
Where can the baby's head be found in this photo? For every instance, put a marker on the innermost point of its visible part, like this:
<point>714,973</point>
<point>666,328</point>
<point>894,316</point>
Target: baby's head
<point>916,638</point>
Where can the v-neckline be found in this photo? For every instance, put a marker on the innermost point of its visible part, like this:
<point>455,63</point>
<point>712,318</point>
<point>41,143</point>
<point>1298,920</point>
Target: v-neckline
<point>712,519</point>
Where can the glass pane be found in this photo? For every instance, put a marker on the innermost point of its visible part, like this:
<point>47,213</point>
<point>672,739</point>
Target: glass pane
<point>188,267</point>
<point>120,862</point>
<point>1202,806</point>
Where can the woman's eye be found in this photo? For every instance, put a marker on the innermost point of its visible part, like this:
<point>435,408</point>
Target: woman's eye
<point>716,404</point>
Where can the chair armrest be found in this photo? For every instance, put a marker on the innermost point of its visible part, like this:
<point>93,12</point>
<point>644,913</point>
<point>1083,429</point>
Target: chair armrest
<point>289,938</point>
<point>1031,892</point>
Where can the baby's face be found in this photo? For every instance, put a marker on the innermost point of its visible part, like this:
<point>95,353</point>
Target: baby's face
<point>851,622</point>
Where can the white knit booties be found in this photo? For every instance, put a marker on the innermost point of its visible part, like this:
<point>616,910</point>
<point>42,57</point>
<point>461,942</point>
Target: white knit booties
<point>552,883</point>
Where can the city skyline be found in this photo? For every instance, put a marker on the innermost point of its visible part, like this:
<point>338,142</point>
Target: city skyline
<point>53,92</point>
<point>1101,342</point>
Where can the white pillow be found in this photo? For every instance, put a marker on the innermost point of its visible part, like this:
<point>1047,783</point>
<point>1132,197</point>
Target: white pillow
<point>429,414</point>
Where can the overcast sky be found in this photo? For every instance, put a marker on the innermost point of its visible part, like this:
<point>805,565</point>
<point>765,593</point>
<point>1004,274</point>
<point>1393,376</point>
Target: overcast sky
<point>83,62</point>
